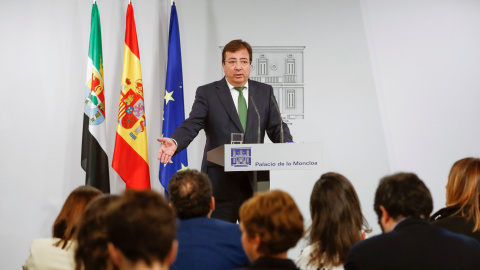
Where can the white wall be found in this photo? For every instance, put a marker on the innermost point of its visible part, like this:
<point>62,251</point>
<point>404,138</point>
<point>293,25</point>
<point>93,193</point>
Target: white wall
<point>425,59</point>
<point>389,86</point>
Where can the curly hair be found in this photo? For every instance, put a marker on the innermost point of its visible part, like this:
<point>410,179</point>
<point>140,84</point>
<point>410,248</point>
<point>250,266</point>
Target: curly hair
<point>275,218</point>
<point>190,193</point>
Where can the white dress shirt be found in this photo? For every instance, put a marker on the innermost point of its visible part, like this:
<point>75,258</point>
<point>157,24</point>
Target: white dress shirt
<point>235,93</point>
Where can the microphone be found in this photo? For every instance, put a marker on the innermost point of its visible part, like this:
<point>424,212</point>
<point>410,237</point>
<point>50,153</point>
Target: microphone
<point>258,115</point>
<point>279,115</point>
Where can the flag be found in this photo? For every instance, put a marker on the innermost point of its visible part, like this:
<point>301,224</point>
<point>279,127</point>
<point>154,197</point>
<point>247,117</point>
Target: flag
<point>94,142</point>
<point>130,157</point>
<point>173,107</point>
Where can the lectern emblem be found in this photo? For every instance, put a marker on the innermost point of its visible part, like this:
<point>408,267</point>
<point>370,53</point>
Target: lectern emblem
<point>241,157</point>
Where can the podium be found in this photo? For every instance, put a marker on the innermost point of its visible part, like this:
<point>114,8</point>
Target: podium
<point>267,157</point>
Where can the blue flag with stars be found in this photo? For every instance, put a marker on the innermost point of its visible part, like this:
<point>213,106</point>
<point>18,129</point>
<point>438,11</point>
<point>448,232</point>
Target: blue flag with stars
<point>173,109</point>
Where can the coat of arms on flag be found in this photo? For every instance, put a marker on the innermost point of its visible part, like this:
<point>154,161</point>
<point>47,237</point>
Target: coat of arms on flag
<point>132,107</point>
<point>95,99</point>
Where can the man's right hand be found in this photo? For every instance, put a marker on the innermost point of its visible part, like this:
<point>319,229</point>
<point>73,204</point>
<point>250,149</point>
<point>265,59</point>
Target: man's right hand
<point>167,149</point>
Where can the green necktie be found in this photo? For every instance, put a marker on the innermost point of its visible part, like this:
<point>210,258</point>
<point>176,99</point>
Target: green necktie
<point>242,108</point>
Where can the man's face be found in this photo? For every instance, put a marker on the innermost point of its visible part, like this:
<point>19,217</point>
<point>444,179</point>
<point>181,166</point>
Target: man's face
<point>237,67</point>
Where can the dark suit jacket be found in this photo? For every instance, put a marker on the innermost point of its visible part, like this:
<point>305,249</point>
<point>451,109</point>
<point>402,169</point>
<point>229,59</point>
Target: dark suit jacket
<point>265,263</point>
<point>415,244</point>
<point>208,243</point>
<point>214,111</point>
<point>449,218</point>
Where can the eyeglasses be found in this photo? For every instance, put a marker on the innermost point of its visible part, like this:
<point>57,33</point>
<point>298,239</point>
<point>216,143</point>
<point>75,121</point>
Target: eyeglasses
<point>242,62</point>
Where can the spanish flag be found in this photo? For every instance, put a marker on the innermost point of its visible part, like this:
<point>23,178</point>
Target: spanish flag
<point>130,158</point>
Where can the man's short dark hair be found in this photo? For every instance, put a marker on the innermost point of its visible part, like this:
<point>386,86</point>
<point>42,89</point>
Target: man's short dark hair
<point>142,226</point>
<point>403,194</point>
<point>190,194</point>
<point>235,46</point>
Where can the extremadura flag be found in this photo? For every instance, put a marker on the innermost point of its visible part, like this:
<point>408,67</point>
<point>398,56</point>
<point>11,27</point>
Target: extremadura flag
<point>94,141</point>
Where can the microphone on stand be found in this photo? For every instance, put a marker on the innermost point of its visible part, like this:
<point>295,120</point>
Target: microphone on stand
<point>279,115</point>
<point>258,115</point>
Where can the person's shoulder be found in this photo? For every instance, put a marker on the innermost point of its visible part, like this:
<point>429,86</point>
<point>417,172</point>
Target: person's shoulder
<point>42,243</point>
<point>225,224</point>
<point>445,213</point>
<point>214,84</point>
<point>192,221</point>
<point>373,242</point>
<point>208,222</point>
<point>460,238</point>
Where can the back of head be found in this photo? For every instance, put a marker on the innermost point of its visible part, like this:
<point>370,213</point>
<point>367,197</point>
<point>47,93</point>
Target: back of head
<point>142,226</point>
<point>403,195</point>
<point>463,188</point>
<point>92,252</point>
<point>190,194</point>
<point>72,210</point>
<point>337,219</point>
<point>275,217</point>
<point>236,45</point>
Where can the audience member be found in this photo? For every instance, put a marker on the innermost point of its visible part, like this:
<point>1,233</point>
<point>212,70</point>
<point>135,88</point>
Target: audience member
<point>92,251</point>
<point>337,223</point>
<point>204,242</point>
<point>271,224</point>
<point>402,203</point>
<point>141,231</point>
<point>58,252</point>
<point>462,214</point>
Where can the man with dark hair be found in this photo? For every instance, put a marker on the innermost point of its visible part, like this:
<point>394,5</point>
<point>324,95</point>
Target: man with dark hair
<point>204,243</point>
<point>403,203</point>
<point>222,108</point>
<point>141,231</point>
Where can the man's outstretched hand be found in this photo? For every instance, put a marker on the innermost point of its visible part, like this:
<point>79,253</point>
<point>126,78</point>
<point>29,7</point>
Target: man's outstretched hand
<point>167,149</point>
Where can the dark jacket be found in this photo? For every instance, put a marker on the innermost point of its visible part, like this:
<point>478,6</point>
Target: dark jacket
<point>449,218</point>
<point>415,244</point>
<point>264,263</point>
<point>208,243</point>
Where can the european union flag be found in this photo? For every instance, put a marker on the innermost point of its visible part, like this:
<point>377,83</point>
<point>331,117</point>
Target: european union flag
<point>173,109</point>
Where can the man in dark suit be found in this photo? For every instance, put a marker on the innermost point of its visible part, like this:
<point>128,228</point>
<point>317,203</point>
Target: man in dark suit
<point>402,204</point>
<point>204,243</point>
<point>220,109</point>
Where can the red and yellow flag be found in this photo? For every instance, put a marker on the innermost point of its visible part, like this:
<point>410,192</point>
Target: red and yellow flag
<point>130,158</point>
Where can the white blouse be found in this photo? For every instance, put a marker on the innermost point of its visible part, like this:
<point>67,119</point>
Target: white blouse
<point>45,255</point>
<point>304,258</point>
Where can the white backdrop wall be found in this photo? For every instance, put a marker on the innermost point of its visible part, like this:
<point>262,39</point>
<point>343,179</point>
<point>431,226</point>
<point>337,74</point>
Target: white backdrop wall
<point>389,86</point>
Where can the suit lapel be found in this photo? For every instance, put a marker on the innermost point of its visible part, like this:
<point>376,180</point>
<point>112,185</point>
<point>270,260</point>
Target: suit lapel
<point>226,98</point>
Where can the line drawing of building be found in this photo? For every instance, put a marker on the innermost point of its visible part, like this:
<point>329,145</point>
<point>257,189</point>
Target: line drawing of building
<point>281,67</point>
